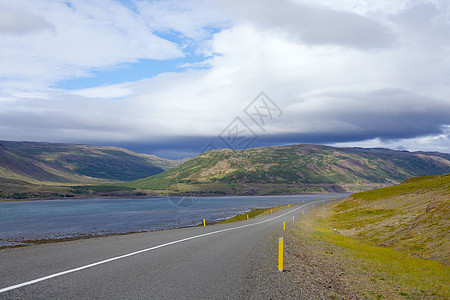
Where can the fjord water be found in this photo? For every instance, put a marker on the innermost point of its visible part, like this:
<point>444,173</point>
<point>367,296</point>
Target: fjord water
<point>58,219</point>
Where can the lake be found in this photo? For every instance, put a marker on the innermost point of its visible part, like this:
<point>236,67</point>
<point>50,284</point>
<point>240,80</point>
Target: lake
<point>58,219</point>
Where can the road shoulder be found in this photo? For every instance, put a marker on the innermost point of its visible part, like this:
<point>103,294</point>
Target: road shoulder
<point>322,264</point>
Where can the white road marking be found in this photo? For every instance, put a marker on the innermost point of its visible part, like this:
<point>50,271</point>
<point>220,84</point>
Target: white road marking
<point>9,288</point>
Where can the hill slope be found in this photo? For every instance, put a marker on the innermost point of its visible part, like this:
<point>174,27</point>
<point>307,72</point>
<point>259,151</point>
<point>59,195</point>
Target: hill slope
<point>412,217</point>
<point>390,243</point>
<point>71,163</point>
<point>295,169</point>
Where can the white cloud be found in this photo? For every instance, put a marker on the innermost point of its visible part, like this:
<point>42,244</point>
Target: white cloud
<point>85,36</point>
<point>380,75</point>
<point>191,19</point>
<point>110,91</point>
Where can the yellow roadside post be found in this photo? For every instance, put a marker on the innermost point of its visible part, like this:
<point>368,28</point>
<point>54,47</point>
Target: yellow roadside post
<point>303,212</point>
<point>284,225</point>
<point>288,205</point>
<point>270,211</point>
<point>204,222</point>
<point>280,254</point>
<point>293,218</point>
<point>247,217</point>
<point>323,201</point>
<point>303,201</point>
<point>313,205</point>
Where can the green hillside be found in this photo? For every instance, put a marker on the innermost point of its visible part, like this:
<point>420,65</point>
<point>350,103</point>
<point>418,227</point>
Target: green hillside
<point>66,162</point>
<point>413,217</point>
<point>33,170</point>
<point>30,169</point>
<point>389,243</point>
<point>295,169</point>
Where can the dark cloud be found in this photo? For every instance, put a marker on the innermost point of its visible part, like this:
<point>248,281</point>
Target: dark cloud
<point>385,114</point>
<point>389,113</point>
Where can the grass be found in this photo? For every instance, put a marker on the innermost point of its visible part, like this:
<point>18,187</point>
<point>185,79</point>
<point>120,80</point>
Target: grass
<point>392,241</point>
<point>413,217</point>
<point>254,214</point>
<point>100,188</point>
<point>417,185</point>
<point>386,272</point>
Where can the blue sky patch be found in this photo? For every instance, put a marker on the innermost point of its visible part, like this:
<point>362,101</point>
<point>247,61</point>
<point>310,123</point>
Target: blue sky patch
<point>143,69</point>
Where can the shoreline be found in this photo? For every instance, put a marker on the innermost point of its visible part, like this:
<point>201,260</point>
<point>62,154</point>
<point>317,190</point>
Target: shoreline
<point>85,236</point>
<point>93,196</point>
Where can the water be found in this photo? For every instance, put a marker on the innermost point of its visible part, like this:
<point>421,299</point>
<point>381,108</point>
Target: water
<point>21,222</point>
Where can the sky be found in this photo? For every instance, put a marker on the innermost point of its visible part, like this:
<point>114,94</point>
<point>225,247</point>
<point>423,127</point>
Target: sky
<point>176,78</point>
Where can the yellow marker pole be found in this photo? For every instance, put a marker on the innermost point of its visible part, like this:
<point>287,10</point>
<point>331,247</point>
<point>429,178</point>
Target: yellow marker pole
<point>313,205</point>
<point>247,217</point>
<point>284,225</point>
<point>293,218</point>
<point>288,205</point>
<point>280,254</point>
<point>204,222</point>
<point>303,212</point>
<point>303,201</point>
<point>270,211</point>
<point>323,201</point>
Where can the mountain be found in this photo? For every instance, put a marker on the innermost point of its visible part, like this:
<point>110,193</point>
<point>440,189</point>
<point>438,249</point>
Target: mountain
<point>294,169</point>
<point>29,166</point>
<point>41,170</point>
<point>412,217</point>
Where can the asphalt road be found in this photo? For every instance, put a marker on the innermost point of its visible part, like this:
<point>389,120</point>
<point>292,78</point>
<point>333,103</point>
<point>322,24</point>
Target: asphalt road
<point>212,262</point>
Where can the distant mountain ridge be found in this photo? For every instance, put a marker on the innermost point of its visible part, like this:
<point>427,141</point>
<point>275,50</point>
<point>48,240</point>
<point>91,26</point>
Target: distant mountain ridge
<point>72,163</point>
<point>51,170</point>
<point>295,169</point>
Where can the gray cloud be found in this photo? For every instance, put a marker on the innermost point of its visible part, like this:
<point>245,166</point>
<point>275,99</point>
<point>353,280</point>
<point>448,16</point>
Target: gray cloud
<point>315,25</point>
<point>427,22</point>
<point>384,114</point>
<point>21,22</point>
<point>335,117</point>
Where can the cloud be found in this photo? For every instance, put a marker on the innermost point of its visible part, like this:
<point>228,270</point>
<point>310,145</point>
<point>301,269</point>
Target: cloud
<point>314,25</point>
<point>386,113</point>
<point>196,20</point>
<point>436,142</point>
<point>20,23</point>
<point>85,36</point>
<point>110,92</point>
<point>352,74</point>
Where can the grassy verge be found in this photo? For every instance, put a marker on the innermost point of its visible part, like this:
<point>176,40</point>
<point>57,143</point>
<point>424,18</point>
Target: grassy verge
<point>254,214</point>
<point>412,217</point>
<point>376,272</point>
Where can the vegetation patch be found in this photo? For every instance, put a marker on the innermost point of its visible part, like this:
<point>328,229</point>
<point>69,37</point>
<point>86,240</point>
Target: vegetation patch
<point>253,214</point>
<point>371,271</point>
<point>88,189</point>
<point>418,185</point>
<point>389,243</point>
<point>413,217</point>
<point>310,168</point>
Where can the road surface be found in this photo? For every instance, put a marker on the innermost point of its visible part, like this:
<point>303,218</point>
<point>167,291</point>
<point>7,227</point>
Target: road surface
<point>212,262</point>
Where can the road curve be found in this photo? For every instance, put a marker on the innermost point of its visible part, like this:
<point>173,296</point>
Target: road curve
<point>212,262</point>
